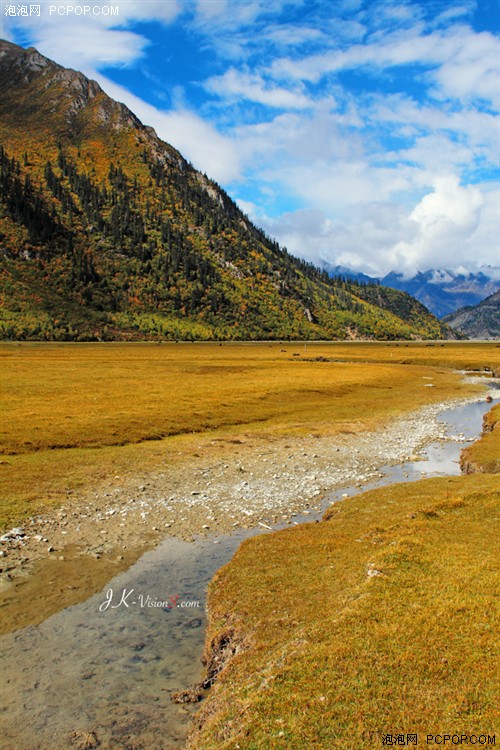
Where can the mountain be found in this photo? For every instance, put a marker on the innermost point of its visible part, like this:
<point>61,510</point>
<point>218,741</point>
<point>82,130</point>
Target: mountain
<point>107,232</point>
<point>444,291</point>
<point>347,273</point>
<point>441,291</point>
<point>479,322</point>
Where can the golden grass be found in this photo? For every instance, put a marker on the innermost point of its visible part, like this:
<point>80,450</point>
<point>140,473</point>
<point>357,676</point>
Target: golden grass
<point>331,658</point>
<point>484,454</point>
<point>75,414</point>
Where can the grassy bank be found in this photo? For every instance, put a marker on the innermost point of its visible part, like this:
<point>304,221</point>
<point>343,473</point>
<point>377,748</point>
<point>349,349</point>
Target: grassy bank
<point>484,454</point>
<point>378,621</point>
<point>74,415</point>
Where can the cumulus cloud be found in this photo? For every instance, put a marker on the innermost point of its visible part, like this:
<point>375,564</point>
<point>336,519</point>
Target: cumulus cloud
<point>444,219</point>
<point>448,224</point>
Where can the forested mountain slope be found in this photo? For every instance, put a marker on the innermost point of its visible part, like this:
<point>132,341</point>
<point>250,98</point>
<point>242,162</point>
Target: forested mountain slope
<point>106,232</point>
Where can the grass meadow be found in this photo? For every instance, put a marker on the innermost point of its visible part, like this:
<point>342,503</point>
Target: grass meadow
<point>74,415</point>
<point>378,621</point>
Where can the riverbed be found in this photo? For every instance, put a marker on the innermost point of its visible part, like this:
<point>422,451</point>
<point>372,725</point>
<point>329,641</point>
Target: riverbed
<point>102,671</point>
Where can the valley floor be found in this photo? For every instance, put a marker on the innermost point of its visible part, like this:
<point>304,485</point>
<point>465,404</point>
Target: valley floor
<point>238,481</point>
<point>108,448</point>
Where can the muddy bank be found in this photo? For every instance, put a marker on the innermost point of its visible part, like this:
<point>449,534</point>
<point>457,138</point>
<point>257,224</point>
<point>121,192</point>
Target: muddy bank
<point>237,483</point>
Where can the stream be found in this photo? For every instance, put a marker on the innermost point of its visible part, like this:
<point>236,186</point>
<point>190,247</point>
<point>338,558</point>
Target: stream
<point>102,671</point>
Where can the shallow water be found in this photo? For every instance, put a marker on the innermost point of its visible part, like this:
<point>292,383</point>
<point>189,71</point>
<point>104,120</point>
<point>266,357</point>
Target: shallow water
<point>108,665</point>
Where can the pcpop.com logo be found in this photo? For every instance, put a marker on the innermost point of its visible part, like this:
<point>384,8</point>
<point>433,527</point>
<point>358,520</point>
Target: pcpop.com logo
<point>83,10</point>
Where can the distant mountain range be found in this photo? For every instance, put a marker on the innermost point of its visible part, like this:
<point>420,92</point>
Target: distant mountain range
<point>479,322</point>
<point>441,291</point>
<point>107,232</point>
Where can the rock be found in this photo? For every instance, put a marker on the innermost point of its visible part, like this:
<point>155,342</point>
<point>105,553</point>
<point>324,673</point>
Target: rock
<point>17,533</point>
<point>194,623</point>
<point>187,696</point>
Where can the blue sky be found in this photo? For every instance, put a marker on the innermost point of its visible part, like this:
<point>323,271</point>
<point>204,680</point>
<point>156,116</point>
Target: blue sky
<point>359,132</point>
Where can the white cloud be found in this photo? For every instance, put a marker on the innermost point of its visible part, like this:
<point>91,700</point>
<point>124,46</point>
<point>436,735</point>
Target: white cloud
<point>212,9</point>
<point>444,219</point>
<point>454,12</point>
<point>479,130</point>
<point>383,178</point>
<point>89,41</point>
<point>90,46</point>
<point>464,64</point>
<point>450,226</point>
<point>219,16</point>
<point>286,35</point>
<point>472,71</point>
<point>242,85</point>
<point>164,11</point>
<point>435,149</point>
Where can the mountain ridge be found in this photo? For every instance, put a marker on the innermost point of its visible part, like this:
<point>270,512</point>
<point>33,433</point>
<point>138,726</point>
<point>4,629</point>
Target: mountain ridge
<point>107,232</point>
<point>442,291</point>
<point>479,321</point>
